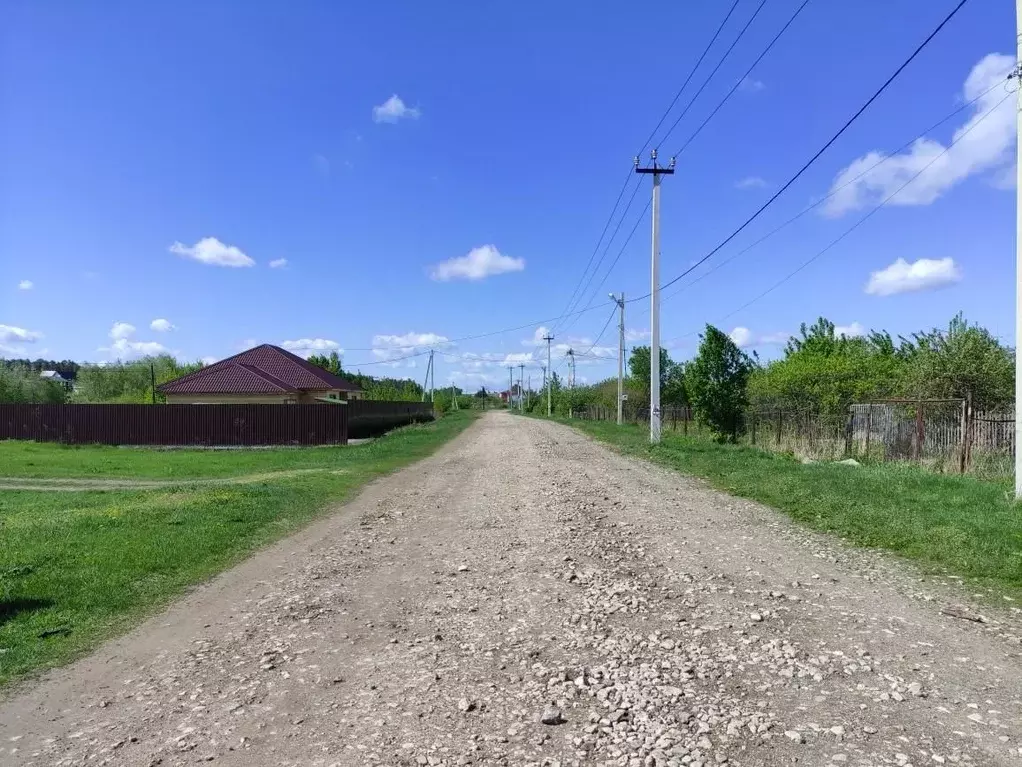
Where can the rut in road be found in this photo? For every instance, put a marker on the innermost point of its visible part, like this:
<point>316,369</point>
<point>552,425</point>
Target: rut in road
<point>524,572</point>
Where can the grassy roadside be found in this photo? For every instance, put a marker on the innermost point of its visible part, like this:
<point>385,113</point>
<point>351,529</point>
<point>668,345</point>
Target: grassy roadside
<point>948,524</point>
<point>76,568</point>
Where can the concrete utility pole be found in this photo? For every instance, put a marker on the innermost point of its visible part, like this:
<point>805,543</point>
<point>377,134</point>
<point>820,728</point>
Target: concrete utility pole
<point>521,393</point>
<point>432,377</point>
<point>654,325</point>
<point>425,381</point>
<point>548,338</point>
<point>510,386</point>
<point>529,389</point>
<point>1018,256</point>
<point>621,354</point>
<point>571,368</point>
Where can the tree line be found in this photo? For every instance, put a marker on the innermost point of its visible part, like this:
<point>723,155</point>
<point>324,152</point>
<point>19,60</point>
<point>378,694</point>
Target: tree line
<point>820,371</point>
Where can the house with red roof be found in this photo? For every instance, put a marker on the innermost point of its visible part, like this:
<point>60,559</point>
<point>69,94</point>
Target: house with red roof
<point>265,374</point>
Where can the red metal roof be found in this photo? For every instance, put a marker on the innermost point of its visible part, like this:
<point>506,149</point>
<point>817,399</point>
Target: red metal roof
<point>265,369</point>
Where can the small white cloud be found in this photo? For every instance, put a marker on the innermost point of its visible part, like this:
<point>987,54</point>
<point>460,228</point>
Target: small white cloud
<point>741,336</point>
<point>634,334</point>
<point>121,330</point>
<point>480,263</point>
<point>248,343</point>
<point>745,338</point>
<point>208,360</point>
<point>410,341</point>
<point>322,164</point>
<point>161,326</point>
<point>537,337</point>
<point>751,85</point>
<point>278,263</point>
<point>394,109</point>
<point>11,334</point>
<point>212,252</point>
<point>122,348</point>
<point>903,277</point>
<point>855,330</point>
<point>979,147</point>
<point>523,358</point>
<point>26,285</point>
<point>751,182</point>
<point>304,347</point>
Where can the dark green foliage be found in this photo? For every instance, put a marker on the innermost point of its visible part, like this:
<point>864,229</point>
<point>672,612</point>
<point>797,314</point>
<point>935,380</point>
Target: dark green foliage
<point>21,383</point>
<point>128,382</point>
<point>824,372</point>
<point>717,379</point>
<point>373,388</point>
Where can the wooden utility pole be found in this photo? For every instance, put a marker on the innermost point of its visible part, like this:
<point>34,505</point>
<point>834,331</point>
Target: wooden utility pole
<point>548,338</point>
<point>620,356</point>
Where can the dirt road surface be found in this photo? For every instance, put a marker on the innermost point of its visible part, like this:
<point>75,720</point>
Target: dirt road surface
<point>525,573</point>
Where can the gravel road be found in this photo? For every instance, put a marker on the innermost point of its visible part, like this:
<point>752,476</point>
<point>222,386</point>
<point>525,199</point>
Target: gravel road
<point>525,575</point>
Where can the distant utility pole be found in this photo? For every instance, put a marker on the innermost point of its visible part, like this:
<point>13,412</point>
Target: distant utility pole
<point>1018,257</point>
<point>654,326</point>
<point>571,368</point>
<point>510,386</point>
<point>521,393</point>
<point>548,338</point>
<point>529,389</point>
<point>621,354</point>
<point>152,372</point>
<point>432,378</point>
<point>425,382</point>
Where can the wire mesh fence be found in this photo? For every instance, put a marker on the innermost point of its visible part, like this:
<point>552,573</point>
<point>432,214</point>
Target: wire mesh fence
<point>944,435</point>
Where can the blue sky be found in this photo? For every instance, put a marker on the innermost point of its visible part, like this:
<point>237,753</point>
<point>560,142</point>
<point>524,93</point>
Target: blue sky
<point>378,178</point>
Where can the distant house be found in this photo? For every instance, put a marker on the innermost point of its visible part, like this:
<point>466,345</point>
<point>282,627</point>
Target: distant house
<point>53,375</point>
<point>265,374</point>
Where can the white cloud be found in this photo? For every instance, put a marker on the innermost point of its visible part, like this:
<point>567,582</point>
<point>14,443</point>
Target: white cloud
<point>26,285</point>
<point>410,341</point>
<point>903,277</point>
<point>305,347</point>
<point>394,109</point>
<point>212,252</point>
<point>631,334</point>
<point>480,263</point>
<point>518,358</point>
<point>537,337</point>
<point>751,182</point>
<point>248,343</point>
<point>741,336</point>
<point>121,330</point>
<point>208,360</point>
<point>122,348</point>
<point>980,147</point>
<point>278,263</point>
<point>751,85</point>
<point>11,337</point>
<point>855,330</point>
<point>161,325</point>
<point>745,338</point>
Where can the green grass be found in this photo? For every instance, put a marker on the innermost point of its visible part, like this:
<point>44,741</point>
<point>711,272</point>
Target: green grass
<point>948,524</point>
<point>76,568</point>
<point>53,460</point>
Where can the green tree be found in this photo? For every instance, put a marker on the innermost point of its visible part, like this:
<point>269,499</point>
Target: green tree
<point>331,363</point>
<point>22,384</point>
<point>963,360</point>
<point>717,379</point>
<point>672,377</point>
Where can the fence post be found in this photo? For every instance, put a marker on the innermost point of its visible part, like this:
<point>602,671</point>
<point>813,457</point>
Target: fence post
<point>970,418</point>
<point>849,431</point>
<point>918,446</point>
<point>869,428</point>
<point>779,424</point>
<point>684,420</point>
<point>964,436</point>
<point>754,427</point>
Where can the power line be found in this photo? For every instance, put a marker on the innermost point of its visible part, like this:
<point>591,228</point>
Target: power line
<point>606,226</point>
<point>833,192</point>
<point>743,77</point>
<point>606,250</point>
<point>719,64</point>
<point>689,78</point>
<point>820,152</point>
<point>862,220</point>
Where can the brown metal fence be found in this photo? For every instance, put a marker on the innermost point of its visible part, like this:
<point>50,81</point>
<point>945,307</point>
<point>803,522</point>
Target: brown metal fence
<point>234,424</point>
<point>369,418</point>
